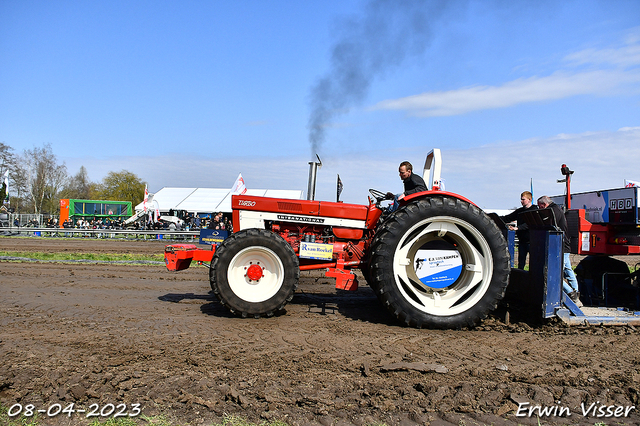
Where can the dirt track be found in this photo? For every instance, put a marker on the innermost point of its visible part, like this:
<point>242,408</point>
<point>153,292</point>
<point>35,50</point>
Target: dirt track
<point>105,333</point>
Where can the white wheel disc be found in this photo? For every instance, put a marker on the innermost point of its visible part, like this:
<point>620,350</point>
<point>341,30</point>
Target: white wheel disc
<point>473,280</point>
<point>264,285</point>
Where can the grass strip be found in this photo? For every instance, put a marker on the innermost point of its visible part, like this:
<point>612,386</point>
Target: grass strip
<point>102,257</point>
<point>37,420</point>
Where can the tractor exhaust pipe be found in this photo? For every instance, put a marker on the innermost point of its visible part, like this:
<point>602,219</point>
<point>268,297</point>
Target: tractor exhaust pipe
<point>313,168</point>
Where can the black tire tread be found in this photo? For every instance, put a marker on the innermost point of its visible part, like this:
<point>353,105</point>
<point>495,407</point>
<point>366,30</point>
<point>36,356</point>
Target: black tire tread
<point>232,245</point>
<point>383,248</point>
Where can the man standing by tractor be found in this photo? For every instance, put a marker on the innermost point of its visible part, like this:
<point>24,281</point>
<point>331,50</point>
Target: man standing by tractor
<point>412,183</point>
<point>570,286</point>
<point>521,228</point>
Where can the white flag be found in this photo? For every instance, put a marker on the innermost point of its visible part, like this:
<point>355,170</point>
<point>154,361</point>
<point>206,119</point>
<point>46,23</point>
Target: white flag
<point>239,187</point>
<point>6,183</point>
<point>627,183</point>
<point>146,198</point>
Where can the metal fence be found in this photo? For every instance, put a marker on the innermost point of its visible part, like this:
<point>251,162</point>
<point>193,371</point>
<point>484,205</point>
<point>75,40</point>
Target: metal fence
<point>25,218</point>
<point>125,234</point>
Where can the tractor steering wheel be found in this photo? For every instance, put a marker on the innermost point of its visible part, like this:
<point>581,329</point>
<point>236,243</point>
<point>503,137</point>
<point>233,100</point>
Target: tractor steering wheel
<point>379,196</point>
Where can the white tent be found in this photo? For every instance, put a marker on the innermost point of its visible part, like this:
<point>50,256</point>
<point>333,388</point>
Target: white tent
<point>208,200</point>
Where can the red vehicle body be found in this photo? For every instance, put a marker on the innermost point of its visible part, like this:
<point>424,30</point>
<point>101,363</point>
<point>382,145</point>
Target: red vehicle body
<point>437,261</point>
<point>352,227</point>
<point>602,224</point>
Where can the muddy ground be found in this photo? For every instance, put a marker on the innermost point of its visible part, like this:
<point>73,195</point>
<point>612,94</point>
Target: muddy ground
<point>137,334</point>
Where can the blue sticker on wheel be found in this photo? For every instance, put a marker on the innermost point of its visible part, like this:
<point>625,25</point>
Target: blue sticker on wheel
<point>438,267</point>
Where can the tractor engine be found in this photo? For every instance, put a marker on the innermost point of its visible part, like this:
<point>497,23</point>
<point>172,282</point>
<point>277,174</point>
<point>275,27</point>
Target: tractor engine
<point>350,248</point>
<point>318,241</point>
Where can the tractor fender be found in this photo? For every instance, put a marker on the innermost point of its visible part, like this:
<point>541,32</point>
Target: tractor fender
<point>427,194</point>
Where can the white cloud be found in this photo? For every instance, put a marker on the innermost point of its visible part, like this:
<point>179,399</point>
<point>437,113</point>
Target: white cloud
<point>535,89</point>
<point>625,56</point>
<point>179,170</point>
<point>622,78</point>
<point>494,175</point>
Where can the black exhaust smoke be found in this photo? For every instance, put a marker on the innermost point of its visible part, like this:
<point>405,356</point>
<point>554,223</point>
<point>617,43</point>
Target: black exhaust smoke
<point>387,32</point>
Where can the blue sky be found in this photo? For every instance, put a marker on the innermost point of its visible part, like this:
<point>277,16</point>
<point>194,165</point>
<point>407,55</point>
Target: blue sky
<point>192,93</point>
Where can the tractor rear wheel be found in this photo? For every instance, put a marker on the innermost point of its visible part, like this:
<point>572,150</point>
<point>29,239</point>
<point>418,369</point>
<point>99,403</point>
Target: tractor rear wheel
<point>439,262</point>
<point>254,272</point>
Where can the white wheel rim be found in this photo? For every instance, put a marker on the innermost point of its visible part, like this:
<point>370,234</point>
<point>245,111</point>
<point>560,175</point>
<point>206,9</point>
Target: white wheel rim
<point>470,286</point>
<point>255,290</point>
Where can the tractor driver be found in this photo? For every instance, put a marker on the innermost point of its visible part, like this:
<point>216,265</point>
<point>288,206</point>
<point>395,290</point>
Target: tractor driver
<point>412,184</point>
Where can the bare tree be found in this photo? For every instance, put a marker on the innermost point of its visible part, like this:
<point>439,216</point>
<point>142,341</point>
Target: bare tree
<point>78,186</point>
<point>43,176</point>
<point>56,178</point>
<point>7,158</point>
<point>7,162</point>
<point>18,179</point>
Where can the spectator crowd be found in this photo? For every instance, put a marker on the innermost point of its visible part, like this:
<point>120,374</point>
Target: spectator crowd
<point>190,222</point>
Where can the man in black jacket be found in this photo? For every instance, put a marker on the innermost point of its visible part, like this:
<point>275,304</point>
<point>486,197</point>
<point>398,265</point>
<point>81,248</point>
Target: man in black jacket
<point>570,286</point>
<point>521,228</point>
<point>412,183</point>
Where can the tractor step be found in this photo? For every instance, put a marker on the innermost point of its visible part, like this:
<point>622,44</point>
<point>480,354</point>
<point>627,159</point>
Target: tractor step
<point>345,280</point>
<point>178,257</point>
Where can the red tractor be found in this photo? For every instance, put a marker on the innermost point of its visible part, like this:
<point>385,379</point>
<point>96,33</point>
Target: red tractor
<point>438,261</point>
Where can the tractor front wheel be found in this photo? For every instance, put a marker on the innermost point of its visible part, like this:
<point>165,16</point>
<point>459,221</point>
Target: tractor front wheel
<point>439,263</point>
<point>254,272</point>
